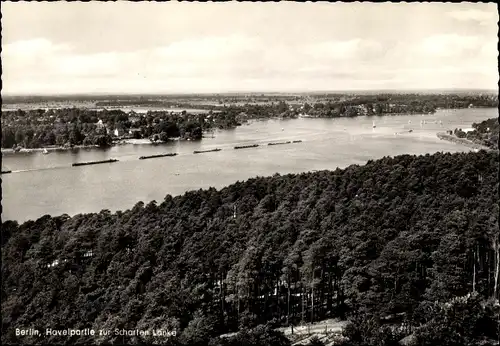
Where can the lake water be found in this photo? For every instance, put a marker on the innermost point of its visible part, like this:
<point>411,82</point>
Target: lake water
<point>47,184</point>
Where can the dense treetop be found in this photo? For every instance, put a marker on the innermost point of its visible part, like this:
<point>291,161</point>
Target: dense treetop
<point>387,240</point>
<point>80,126</point>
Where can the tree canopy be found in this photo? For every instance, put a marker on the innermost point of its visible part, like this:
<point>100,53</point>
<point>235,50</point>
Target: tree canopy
<point>388,240</point>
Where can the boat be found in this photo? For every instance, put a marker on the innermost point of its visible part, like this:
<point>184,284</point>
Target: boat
<point>374,126</point>
<point>206,151</point>
<point>45,151</point>
<point>155,156</point>
<point>410,131</point>
<point>278,143</point>
<point>246,146</point>
<point>298,141</point>
<point>282,129</point>
<point>6,172</point>
<point>93,162</point>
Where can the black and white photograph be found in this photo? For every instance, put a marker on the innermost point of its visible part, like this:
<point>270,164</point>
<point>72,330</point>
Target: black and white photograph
<point>250,173</point>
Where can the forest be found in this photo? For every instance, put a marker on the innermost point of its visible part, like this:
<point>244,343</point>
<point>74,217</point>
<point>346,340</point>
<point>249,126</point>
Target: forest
<point>335,106</point>
<point>80,126</point>
<point>404,247</point>
<point>484,133</point>
<point>396,104</point>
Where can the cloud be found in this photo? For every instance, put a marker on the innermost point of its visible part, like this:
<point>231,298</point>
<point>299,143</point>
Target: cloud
<point>238,62</point>
<point>30,59</point>
<point>88,65</point>
<point>490,51</point>
<point>209,47</point>
<point>347,49</point>
<point>451,45</point>
<point>35,46</point>
<point>475,15</point>
<point>207,55</point>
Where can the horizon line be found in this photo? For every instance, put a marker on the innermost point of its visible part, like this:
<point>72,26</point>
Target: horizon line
<point>262,92</point>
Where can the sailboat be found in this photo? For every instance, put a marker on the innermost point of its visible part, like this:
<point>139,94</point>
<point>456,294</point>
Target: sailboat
<point>45,151</point>
<point>374,126</point>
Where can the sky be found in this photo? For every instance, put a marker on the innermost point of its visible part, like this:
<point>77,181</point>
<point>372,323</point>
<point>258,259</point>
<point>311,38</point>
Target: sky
<point>150,47</point>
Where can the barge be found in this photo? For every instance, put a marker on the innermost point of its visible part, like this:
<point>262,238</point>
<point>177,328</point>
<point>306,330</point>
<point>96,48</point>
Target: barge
<point>93,162</point>
<point>299,141</point>
<point>206,151</point>
<point>155,156</point>
<point>5,172</point>
<point>246,146</point>
<point>278,143</point>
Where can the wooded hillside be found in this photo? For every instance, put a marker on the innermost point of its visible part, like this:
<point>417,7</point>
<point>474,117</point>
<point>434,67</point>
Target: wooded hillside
<point>386,238</point>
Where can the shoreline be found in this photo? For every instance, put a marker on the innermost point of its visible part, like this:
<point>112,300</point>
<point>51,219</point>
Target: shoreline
<point>49,149</point>
<point>463,141</point>
<point>6,151</point>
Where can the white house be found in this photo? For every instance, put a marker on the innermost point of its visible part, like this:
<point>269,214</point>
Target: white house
<point>118,132</point>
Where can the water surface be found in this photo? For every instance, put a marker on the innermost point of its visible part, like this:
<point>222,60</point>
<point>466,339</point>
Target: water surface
<point>47,184</point>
